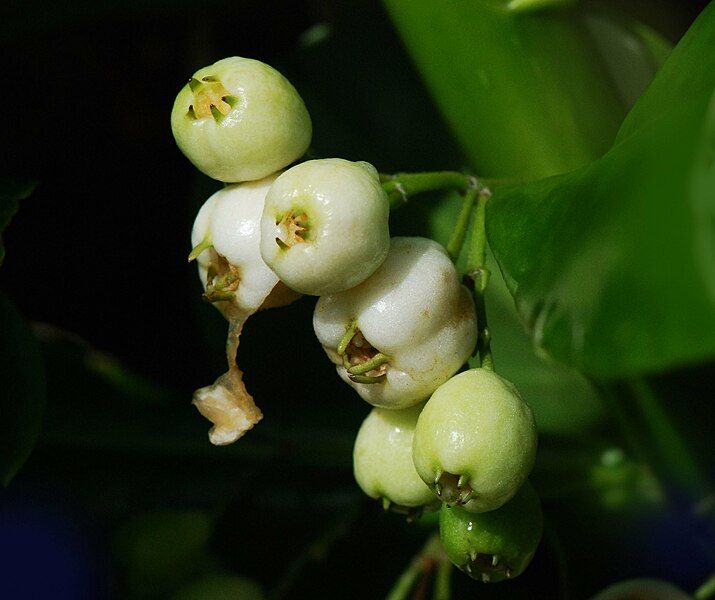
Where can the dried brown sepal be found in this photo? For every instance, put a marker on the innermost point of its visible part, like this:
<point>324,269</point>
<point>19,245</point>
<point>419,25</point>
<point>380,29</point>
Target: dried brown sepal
<point>227,403</point>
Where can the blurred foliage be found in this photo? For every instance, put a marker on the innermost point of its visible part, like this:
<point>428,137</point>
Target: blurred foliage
<point>160,551</point>
<point>587,254</point>
<point>521,92</point>
<point>11,192</point>
<point>22,389</point>
<point>220,587</point>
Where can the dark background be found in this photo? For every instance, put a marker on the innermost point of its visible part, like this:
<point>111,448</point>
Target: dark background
<point>99,250</point>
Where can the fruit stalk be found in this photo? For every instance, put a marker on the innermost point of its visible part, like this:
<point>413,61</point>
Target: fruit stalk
<point>476,278</point>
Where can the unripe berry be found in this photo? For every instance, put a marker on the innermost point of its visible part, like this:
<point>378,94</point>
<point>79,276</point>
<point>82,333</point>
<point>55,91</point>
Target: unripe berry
<point>495,545</point>
<point>240,120</point>
<point>475,441</point>
<point>382,459</point>
<point>325,225</point>
<point>404,331</point>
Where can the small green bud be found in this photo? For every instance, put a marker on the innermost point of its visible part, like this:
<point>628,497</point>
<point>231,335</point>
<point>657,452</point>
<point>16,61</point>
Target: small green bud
<point>382,460</point>
<point>496,545</point>
<point>475,441</point>
<point>240,120</point>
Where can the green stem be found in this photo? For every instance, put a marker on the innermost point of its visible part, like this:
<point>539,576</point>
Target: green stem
<point>477,276</point>
<point>431,552</point>
<point>454,246</point>
<point>706,590</point>
<point>407,580</point>
<point>668,443</point>
<point>443,581</point>
<point>401,186</point>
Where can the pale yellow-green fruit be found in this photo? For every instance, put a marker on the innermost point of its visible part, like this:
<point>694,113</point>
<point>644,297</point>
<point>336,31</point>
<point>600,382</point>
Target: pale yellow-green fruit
<point>324,227</point>
<point>382,458</point>
<point>475,441</point>
<point>240,120</point>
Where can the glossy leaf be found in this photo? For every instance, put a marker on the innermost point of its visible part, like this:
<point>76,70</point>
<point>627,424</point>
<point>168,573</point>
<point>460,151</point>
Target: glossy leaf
<point>524,93</point>
<point>22,391</point>
<point>612,266</point>
<point>11,192</point>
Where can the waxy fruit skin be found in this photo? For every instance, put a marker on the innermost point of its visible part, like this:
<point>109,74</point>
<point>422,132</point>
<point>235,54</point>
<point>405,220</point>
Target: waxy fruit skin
<point>340,235</point>
<point>231,218</point>
<point>415,311</point>
<point>266,126</point>
<point>382,458</point>
<point>476,426</point>
<point>497,545</point>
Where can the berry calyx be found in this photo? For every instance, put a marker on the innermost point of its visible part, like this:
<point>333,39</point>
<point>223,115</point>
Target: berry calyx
<point>363,362</point>
<point>211,99</point>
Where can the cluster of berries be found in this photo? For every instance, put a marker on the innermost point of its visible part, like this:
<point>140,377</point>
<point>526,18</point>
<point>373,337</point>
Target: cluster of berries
<point>392,315</point>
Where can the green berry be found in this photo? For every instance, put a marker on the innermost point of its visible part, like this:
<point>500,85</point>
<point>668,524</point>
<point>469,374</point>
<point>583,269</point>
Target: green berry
<point>475,441</point>
<point>240,120</point>
<point>382,460</point>
<point>325,225</point>
<point>496,545</point>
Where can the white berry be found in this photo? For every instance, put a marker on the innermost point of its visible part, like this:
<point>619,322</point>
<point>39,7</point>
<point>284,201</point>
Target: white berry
<point>412,314</point>
<point>230,221</point>
<point>325,225</point>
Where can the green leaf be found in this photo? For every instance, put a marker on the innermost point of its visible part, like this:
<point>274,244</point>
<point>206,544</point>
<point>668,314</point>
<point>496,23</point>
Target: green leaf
<point>11,192</point>
<point>688,74</point>
<point>22,391</point>
<point>525,94</point>
<point>612,266</point>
